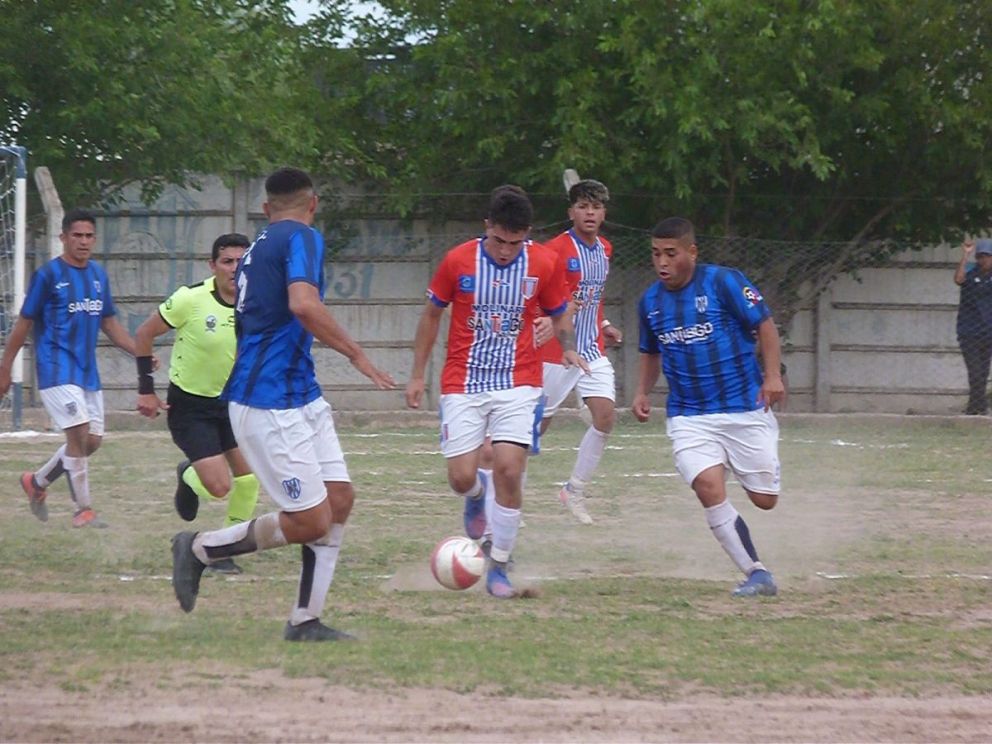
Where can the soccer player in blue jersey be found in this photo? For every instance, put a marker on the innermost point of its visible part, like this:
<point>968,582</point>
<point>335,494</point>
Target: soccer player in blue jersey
<point>282,424</point>
<point>700,324</point>
<point>67,304</point>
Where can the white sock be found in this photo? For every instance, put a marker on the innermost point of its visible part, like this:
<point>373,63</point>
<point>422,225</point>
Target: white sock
<point>77,470</point>
<point>727,526</point>
<point>475,491</point>
<point>320,558</point>
<point>591,450</point>
<point>490,502</point>
<point>262,533</point>
<point>51,470</point>
<point>506,524</point>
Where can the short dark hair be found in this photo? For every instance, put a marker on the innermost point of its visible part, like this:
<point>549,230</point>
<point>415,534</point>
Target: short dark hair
<point>77,215</point>
<point>227,241</point>
<point>675,227</point>
<point>588,189</point>
<point>510,207</point>
<point>286,181</point>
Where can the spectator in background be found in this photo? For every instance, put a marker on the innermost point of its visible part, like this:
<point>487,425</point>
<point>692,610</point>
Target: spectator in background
<point>975,320</point>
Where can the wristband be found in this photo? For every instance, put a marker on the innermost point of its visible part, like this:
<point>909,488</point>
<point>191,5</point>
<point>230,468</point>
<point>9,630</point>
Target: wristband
<point>146,383</point>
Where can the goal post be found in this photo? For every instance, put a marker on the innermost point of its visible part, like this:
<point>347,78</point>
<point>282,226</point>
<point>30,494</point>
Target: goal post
<point>13,239</point>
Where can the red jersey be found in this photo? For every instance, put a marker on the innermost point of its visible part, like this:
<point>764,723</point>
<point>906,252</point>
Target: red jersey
<point>491,335</point>
<point>585,268</point>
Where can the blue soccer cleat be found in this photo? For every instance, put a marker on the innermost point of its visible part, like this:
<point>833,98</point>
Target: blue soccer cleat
<point>759,584</point>
<point>497,583</point>
<point>475,511</point>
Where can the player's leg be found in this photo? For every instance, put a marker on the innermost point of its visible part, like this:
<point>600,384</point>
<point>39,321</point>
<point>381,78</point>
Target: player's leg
<point>978,371</point>
<point>751,443</point>
<point>463,433</point>
<point>200,427</point>
<point>598,391</point>
<point>512,423</point>
<point>700,459</point>
<point>278,447</point>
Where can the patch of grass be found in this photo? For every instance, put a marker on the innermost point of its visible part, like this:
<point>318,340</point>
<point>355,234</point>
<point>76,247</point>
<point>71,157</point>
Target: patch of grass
<point>637,605</point>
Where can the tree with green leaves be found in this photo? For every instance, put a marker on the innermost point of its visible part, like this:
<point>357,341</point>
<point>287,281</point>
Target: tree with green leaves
<point>111,92</point>
<point>857,127</point>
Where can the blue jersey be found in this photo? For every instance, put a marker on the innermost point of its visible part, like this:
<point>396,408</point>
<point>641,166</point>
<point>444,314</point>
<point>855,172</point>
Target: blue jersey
<point>67,304</point>
<point>706,335</point>
<point>273,367</point>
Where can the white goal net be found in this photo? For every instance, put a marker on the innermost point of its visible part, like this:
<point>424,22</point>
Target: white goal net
<point>13,233</point>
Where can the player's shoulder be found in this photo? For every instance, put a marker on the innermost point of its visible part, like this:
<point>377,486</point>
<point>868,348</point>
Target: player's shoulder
<point>540,257</point>
<point>607,245</point>
<point>463,254</point>
<point>559,241</point>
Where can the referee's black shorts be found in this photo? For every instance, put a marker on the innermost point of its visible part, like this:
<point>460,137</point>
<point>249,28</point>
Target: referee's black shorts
<point>200,426</point>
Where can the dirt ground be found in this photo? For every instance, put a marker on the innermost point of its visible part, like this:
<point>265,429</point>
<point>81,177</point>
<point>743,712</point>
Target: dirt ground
<point>268,707</point>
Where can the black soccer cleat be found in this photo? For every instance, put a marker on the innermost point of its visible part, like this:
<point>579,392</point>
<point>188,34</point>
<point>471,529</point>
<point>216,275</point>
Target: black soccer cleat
<point>186,501</point>
<point>186,570</point>
<point>314,630</point>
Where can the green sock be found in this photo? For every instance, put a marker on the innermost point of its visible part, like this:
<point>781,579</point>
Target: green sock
<point>191,479</point>
<point>242,499</point>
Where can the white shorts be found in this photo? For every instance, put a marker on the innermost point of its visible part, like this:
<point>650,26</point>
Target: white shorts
<point>746,443</point>
<point>292,451</point>
<point>559,381</point>
<point>507,415</point>
<point>70,405</point>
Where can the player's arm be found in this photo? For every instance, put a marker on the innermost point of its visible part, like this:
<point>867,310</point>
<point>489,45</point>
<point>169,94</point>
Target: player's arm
<point>15,340</point>
<point>309,309</point>
<point>647,376</point>
<point>149,404</point>
<point>423,342</point>
<point>967,248</point>
<point>564,328</point>
<point>772,389</point>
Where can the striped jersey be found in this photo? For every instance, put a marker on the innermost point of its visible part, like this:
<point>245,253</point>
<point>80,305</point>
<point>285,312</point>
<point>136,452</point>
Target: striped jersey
<point>585,268</point>
<point>203,352</point>
<point>493,308</point>
<point>273,367</point>
<point>706,333</point>
<point>67,305</point>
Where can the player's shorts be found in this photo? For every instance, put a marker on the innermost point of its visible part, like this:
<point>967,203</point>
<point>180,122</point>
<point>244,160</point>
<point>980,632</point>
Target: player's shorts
<point>560,380</point>
<point>291,451</point>
<point>200,426</point>
<point>70,405</point>
<point>507,415</point>
<point>746,443</point>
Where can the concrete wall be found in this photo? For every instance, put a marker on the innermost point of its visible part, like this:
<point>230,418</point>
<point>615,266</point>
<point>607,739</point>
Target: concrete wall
<point>883,341</point>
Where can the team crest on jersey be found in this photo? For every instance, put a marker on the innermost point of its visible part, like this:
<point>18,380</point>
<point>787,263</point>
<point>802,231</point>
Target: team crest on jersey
<point>702,303</point>
<point>528,286</point>
<point>71,408</point>
<point>752,296</point>
<point>293,488</point>
<point>211,323</point>
<point>573,264</point>
<point>466,283</point>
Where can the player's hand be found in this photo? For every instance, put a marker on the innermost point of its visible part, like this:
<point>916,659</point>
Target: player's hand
<point>772,391</point>
<point>572,359</point>
<point>641,407</point>
<point>543,330</point>
<point>150,405</point>
<point>382,380</point>
<point>968,247</point>
<point>4,381</point>
<point>613,335</point>
<point>414,392</point>
<point>155,363</point>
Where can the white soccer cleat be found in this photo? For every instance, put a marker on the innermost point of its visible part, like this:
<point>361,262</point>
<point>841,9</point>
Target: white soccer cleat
<point>575,502</point>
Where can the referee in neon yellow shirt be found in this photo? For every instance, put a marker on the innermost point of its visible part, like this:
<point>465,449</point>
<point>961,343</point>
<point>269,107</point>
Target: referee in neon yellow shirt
<point>202,356</point>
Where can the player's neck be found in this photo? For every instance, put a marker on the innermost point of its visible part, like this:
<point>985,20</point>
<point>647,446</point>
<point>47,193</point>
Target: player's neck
<point>295,215</point>
<point>585,237</point>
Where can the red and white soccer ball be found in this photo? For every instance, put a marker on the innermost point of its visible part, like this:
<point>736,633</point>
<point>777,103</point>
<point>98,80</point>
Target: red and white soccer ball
<point>457,562</point>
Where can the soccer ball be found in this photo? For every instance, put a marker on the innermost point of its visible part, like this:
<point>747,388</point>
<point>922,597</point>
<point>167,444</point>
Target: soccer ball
<point>457,562</point>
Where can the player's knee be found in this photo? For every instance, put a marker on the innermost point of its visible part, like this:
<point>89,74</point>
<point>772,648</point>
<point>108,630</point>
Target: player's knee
<point>218,487</point>
<point>93,444</point>
<point>766,501</point>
